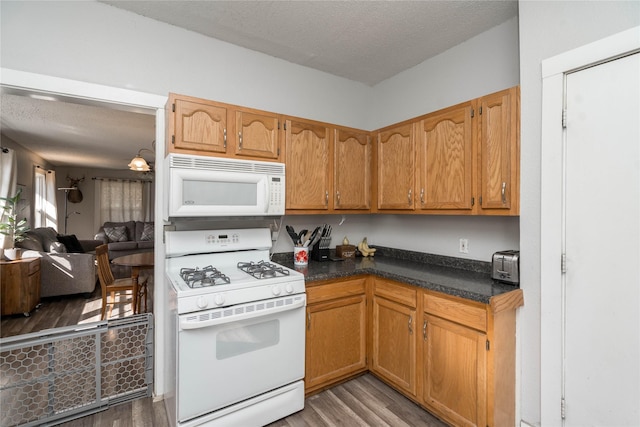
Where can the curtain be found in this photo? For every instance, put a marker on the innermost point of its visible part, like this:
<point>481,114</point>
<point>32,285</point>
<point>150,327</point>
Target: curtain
<point>8,181</point>
<point>120,200</point>
<point>51,204</point>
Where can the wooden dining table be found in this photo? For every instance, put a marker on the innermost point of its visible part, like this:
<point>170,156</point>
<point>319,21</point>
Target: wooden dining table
<point>137,262</point>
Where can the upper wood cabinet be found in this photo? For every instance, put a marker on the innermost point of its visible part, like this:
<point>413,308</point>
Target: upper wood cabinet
<point>257,135</point>
<point>352,170</point>
<point>395,153</point>
<point>444,157</point>
<point>200,126</point>
<point>196,125</point>
<point>466,160</point>
<point>499,153</point>
<point>462,160</point>
<point>308,155</point>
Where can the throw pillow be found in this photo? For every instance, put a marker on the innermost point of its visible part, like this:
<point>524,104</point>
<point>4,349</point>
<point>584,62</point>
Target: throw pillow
<point>117,234</point>
<point>71,243</point>
<point>147,232</point>
<point>57,248</point>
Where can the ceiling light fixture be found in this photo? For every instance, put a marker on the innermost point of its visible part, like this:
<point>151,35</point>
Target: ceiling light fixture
<point>138,163</point>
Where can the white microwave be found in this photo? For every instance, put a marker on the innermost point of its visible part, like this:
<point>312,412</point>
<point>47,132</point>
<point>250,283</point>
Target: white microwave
<point>201,186</point>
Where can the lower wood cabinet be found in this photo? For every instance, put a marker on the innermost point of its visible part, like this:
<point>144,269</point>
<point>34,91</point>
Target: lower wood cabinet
<point>336,332</point>
<point>454,363</point>
<point>453,356</point>
<point>20,282</point>
<point>393,336</point>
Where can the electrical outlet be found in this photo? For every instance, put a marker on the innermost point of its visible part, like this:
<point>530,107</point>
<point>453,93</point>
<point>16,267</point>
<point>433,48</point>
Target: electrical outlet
<point>464,246</point>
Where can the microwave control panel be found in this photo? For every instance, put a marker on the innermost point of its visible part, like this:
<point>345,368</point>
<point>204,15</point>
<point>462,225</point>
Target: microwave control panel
<point>276,195</point>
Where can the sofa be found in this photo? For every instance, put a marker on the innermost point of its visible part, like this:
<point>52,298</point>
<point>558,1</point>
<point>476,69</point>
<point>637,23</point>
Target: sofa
<point>126,238</point>
<point>65,268</point>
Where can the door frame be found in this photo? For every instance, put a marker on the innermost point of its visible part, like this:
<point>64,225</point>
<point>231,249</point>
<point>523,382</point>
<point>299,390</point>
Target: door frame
<point>554,70</point>
<point>128,100</point>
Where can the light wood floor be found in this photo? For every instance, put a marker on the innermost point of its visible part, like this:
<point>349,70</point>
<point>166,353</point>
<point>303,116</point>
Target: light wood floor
<point>363,401</point>
<point>68,310</point>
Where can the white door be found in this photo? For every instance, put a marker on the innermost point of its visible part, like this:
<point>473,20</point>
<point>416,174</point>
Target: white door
<point>602,234</point>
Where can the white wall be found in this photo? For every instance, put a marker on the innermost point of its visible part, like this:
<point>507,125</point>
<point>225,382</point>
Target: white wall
<point>94,42</point>
<point>479,66</point>
<point>547,29</point>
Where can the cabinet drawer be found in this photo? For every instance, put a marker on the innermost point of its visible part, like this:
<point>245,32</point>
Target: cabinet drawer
<point>395,292</point>
<point>340,289</point>
<point>464,313</point>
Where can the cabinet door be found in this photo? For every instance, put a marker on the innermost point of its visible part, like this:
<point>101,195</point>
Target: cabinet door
<point>200,126</point>
<point>308,169</point>
<point>394,343</point>
<point>396,163</point>
<point>445,147</point>
<point>336,340</point>
<point>257,135</point>
<point>455,371</point>
<point>499,153</point>
<point>352,170</point>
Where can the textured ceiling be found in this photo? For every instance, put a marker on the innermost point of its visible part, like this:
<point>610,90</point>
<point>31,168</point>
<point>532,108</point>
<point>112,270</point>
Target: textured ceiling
<point>71,134</point>
<point>365,41</point>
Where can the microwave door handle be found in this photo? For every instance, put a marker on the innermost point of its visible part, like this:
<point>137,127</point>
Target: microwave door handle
<point>260,313</point>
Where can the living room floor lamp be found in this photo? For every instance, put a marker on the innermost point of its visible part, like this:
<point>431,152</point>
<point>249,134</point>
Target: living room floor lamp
<point>66,203</point>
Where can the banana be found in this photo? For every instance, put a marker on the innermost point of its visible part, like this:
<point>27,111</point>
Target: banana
<point>364,248</point>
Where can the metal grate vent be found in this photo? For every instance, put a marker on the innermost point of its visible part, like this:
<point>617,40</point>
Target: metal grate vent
<point>225,165</point>
<point>66,373</point>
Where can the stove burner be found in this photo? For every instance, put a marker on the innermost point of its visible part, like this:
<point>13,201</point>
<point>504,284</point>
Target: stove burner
<point>262,269</point>
<point>199,278</point>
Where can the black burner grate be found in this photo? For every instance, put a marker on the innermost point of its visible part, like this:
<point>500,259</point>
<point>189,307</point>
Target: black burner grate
<point>199,278</point>
<point>263,269</point>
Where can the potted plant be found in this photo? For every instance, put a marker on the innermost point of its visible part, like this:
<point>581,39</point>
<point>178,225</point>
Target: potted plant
<point>11,226</point>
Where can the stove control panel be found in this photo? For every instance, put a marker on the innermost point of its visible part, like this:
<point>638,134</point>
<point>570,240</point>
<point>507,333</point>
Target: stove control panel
<point>222,239</point>
<point>189,242</point>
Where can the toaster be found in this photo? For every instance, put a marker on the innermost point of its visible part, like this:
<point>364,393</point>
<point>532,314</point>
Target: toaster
<point>505,267</point>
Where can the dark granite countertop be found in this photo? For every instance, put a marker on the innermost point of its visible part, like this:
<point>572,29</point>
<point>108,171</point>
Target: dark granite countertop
<point>454,276</point>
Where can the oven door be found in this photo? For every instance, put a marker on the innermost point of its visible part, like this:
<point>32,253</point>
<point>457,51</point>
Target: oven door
<point>231,354</point>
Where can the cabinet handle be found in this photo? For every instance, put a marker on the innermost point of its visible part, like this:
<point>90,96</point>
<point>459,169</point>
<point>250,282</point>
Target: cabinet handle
<point>240,140</point>
<point>422,196</point>
<point>409,197</point>
<point>424,330</point>
<point>326,198</point>
<point>504,196</point>
<point>338,196</point>
<point>224,132</point>
<point>410,325</point>
<point>308,321</point>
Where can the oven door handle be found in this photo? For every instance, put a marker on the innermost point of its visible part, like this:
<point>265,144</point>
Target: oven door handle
<point>186,324</point>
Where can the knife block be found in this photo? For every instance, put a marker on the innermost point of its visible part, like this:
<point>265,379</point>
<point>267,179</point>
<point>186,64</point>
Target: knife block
<point>318,253</point>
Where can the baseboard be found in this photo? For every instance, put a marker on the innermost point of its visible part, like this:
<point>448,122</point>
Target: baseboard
<point>523,423</point>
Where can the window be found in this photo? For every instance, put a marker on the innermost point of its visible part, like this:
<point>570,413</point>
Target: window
<point>120,200</point>
<point>45,209</point>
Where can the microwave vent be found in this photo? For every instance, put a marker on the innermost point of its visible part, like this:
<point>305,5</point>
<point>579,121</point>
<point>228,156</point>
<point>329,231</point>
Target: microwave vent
<point>226,165</point>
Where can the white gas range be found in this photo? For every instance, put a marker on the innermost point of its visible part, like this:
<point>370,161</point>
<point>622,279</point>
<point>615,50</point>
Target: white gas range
<point>238,329</point>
